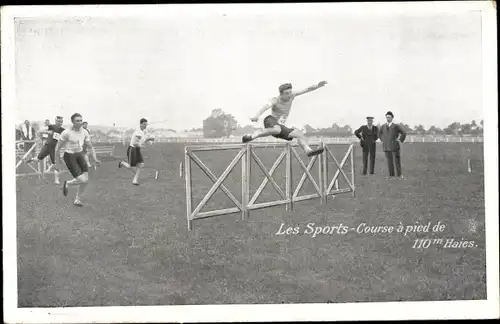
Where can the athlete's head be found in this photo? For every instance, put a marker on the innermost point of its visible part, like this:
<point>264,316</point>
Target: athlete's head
<point>389,116</point>
<point>369,121</point>
<point>59,121</point>
<point>85,124</point>
<point>27,122</point>
<point>47,122</point>
<point>144,123</point>
<point>285,91</point>
<point>77,120</point>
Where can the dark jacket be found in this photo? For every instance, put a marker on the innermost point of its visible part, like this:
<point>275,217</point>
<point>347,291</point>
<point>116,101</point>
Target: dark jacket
<point>366,135</point>
<point>31,133</point>
<point>391,136</point>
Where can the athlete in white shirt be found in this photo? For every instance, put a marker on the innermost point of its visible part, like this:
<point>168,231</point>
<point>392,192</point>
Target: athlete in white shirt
<point>73,140</point>
<point>134,155</point>
<point>274,124</point>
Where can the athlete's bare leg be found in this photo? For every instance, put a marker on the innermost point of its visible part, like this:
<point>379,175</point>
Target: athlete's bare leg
<point>137,170</point>
<point>81,183</point>
<point>87,160</point>
<point>301,138</point>
<point>262,133</point>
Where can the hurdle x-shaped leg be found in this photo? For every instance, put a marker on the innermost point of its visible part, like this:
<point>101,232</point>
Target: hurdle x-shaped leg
<point>339,170</point>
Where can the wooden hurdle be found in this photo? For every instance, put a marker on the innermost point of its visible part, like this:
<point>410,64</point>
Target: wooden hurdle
<point>22,156</point>
<point>323,187</point>
<point>41,169</point>
<point>46,167</point>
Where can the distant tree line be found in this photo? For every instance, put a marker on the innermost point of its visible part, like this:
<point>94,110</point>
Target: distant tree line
<point>220,124</point>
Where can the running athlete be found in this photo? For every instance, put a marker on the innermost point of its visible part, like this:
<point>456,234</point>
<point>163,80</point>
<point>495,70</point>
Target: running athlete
<point>85,153</point>
<point>52,134</point>
<point>134,155</point>
<point>72,140</point>
<point>274,124</point>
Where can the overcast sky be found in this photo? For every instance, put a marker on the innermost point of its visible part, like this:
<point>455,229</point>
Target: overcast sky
<point>426,69</point>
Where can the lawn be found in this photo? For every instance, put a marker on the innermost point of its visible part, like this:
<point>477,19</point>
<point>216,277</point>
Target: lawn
<point>130,245</point>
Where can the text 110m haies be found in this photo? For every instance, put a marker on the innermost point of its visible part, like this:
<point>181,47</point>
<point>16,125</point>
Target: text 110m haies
<point>445,243</point>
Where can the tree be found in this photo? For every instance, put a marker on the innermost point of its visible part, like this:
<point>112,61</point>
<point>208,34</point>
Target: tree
<point>248,129</point>
<point>419,129</point>
<point>466,129</point>
<point>407,128</point>
<point>219,124</point>
<point>453,129</point>
<point>309,129</point>
<point>433,130</point>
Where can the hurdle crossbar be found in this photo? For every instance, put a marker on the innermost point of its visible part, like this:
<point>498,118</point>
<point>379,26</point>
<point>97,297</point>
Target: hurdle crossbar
<point>42,168</point>
<point>38,170</point>
<point>324,186</point>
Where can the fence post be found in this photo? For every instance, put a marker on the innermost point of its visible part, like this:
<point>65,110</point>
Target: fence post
<point>324,180</point>
<point>289,193</point>
<point>352,170</point>
<point>245,180</point>
<point>320,173</point>
<point>187,177</point>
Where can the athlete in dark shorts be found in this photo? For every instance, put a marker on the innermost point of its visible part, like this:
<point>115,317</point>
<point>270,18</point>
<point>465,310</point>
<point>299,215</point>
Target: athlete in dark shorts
<point>53,133</point>
<point>134,155</point>
<point>274,124</point>
<point>73,140</point>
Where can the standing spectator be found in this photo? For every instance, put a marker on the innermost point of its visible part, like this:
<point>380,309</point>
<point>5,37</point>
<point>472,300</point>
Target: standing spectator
<point>368,134</point>
<point>19,134</point>
<point>27,134</point>
<point>392,135</point>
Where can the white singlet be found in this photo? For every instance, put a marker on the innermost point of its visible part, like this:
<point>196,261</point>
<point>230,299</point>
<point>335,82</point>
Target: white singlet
<point>74,140</point>
<point>138,138</point>
<point>279,109</point>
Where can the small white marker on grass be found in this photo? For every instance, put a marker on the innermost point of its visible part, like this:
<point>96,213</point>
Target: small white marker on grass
<point>468,163</point>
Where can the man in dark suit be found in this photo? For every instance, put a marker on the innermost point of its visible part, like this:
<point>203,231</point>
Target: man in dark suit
<point>392,135</point>
<point>368,134</point>
<point>28,134</point>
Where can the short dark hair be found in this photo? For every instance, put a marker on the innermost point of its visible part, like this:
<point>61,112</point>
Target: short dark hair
<point>284,86</point>
<point>59,117</point>
<point>74,116</point>
<point>389,113</point>
<point>143,120</point>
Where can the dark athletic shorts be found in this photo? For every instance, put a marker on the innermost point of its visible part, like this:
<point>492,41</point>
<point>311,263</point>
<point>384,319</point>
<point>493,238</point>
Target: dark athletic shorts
<point>48,150</point>
<point>76,163</point>
<point>271,121</point>
<point>134,156</point>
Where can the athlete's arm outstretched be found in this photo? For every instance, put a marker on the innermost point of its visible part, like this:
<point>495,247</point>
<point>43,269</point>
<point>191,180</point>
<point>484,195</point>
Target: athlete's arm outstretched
<point>266,107</point>
<point>311,88</point>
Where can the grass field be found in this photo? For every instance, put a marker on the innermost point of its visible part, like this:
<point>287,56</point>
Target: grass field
<point>130,245</point>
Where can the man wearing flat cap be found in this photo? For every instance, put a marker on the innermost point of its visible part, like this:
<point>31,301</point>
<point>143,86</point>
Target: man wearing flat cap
<point>392,135</point>
<point>368,135</point>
